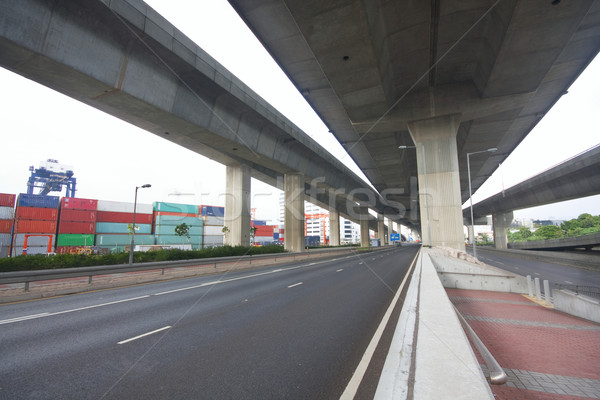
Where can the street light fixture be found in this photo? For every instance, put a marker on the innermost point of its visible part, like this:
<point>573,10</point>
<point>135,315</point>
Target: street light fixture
<point>426,196</point>
<point>147,185</point>
<point>493,149</point>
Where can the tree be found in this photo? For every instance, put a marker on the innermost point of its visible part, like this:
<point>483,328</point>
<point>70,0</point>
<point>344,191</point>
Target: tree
<point>549,232</point>
<point>521,235</point>
<point>183,230</point>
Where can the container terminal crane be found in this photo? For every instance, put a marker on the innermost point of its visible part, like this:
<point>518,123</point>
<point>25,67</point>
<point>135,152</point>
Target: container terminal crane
<point>50,177</point>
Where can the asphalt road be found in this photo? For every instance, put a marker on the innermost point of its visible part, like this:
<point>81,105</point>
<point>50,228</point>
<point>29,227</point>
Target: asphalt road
<point>554,273</point>
<point>296,331</point>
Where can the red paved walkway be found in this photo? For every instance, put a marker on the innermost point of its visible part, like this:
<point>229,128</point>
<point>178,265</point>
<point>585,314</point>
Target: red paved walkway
<point>547,354</point>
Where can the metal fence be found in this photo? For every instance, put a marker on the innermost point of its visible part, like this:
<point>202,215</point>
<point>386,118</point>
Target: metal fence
<point>591,291</point>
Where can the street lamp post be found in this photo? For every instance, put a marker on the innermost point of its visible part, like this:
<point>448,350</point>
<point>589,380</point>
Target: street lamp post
<point>426,196</point>
<point>474,239</point>
<point>133,227</point>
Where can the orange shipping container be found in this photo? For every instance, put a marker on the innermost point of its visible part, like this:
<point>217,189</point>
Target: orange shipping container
<point>7,200</point>
<point>6,225</point>
<point>36,213</point>
<point>34,226</point>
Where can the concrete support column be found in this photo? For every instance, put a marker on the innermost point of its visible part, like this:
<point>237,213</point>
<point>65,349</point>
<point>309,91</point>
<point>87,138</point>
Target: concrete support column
<point>334,228</point>
<point>237,205</point>
<point>293,186</point>
<point>381,229</point>
<point>439,181</point>
<point>501,223</point>
<point>365,239</point>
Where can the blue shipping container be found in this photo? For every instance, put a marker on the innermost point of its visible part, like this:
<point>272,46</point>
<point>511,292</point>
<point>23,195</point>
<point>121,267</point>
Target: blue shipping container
<point>118,227</point>
<point>213,211</point>
<point>36,200</point>
<point>259,223</point>
<point>174,207</point>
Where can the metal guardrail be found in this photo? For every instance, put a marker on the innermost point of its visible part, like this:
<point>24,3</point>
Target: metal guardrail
<point>497,374</point>
<point>50,274</point>
<point>590,291</point>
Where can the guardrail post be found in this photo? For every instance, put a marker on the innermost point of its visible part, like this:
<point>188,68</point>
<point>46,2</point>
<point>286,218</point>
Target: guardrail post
<point>547,294</point>
<point>27,286</point>
<point>538,291</point>
<point>530,285</point>
<point>90,280</point>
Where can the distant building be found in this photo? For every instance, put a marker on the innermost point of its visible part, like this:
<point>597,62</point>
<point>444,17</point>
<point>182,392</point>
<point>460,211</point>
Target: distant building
<point>548,222</point>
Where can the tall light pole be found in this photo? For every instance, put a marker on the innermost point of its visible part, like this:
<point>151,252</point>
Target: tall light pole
<point>474,239</point>
<point>426,196</point>
<point>147,185</point>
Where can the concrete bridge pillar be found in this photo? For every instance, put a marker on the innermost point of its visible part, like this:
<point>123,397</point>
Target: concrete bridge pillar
<point>501,223</point>
<point>237,205</point>
<point>334,228</point>
<point>439,181</point>
<point>365,239</point>
<point>381,229</point>
<point>293,186</point>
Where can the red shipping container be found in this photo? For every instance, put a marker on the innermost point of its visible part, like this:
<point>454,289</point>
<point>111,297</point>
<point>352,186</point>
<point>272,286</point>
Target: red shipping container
<point>76,227</point>
<point>77,215</point>
<point>5,225</point>
<point>264,230</point>
<point>36,213</point>
<point>74,203</point>
<point>7,200</point>
<point>34,226</point>
<point>124,218</point>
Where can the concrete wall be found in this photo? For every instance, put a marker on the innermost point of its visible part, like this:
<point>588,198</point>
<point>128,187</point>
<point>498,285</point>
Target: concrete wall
<point>579,306</point>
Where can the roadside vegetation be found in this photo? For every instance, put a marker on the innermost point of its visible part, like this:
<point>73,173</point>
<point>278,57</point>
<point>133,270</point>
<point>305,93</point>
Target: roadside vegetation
<point>37,262</point>
<point>585,224</point>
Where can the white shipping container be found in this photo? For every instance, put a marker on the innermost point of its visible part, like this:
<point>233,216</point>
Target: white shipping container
<point>217,221</point>
<point>33,241</point>
<point>7,213</point>
<point>4,239</point>
<point>3,251</point>
<point>120,206</point>
<point>213,230</point>
<point>31,250</point>
<point>262,239</point>
<point>211,241</point>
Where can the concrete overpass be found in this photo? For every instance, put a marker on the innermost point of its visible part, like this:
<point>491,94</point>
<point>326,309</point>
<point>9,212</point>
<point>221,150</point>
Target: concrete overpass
<point>447,77</point>
<point>574,178</point>
<point>123,58</point>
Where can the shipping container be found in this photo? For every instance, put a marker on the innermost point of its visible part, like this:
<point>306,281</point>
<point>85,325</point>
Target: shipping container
<point>118,206</point>
<point>266,230</point>
<point>33,226</point>
<point>123,240</point>
<point>195,241</point>
<point>5,239</point>
<point>170,230</point>
<point>6,225</point>
<point>177,220</point>
<point>213,230</point>
<point>116,227</point>
<point>7,213</point>
<point>74,203</point>
<point>216,221</point>
<point>212,241</point>
<point>176,208</point>
<point>212,211</point>
<point>258,223</point>
<point>36,213</point>
<point>67,214</point>
<point>7,200</point>
<point>263,239</point>
<point>75,239</point>
<point>31,250</point>
<point>76,227</point>
<point>36,200</point>
<point>161,213</point>
<point>123,217</point>
<point>34,240</point>
<point>4,251</point>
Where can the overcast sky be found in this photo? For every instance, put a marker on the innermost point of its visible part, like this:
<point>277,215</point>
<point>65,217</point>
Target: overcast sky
<point>111,157</point>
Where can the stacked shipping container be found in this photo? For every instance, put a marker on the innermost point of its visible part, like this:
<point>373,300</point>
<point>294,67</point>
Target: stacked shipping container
<point>213,217</point>
<point>76,224</point>
<point>168,215</point>
<point>7,214</point>
<point>35,224</point>
<point>112,225</point>
<point>265,234</point>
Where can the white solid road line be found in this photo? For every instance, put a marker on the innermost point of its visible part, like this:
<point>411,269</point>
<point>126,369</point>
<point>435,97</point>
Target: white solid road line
<point>8,321</point>
<point>144,335</point>
<point>339,270</point>
<point>569,282</point>
<point>295,284</point>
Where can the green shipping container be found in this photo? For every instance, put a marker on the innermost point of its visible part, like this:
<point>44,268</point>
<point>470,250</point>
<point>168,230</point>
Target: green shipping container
<point>177,208</point>
<point>175,220</point>
<point>75,239</point>
<point>122,240</point>
<point>170,230</point>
